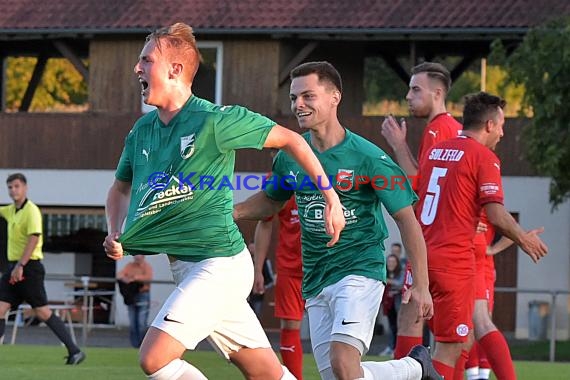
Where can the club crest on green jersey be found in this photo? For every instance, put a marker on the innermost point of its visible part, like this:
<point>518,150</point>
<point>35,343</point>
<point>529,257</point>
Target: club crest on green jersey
<point>344,179</point>
<point>187,146</point>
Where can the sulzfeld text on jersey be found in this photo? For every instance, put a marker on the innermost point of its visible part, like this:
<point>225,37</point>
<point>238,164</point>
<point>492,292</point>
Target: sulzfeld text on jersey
<point>446,154</point>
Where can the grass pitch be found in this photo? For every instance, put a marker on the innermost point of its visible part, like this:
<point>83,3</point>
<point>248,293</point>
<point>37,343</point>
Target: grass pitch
<point>31,362</point>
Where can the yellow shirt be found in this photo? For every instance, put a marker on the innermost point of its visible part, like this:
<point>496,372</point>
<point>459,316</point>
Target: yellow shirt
<point>21,224</point>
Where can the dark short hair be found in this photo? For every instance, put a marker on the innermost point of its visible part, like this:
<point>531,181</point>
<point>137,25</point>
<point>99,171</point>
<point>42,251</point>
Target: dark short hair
<point>479,108</point>
<point>15,176</point>
<point>324,70</point>
<point>396,245</point>
<point>434,71</point>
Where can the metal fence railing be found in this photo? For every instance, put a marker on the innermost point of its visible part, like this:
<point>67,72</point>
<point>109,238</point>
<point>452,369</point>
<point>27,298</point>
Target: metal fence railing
<point>553,295</point>
<point>86,292</point>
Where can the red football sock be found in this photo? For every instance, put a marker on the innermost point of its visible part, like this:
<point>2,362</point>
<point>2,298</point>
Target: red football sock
<point>473,360</point>
<point>292,351</point>
<point>443,369</point>
<point>483,361</point>
<point>499,355</point>
<point>404,344</point>
<point>459,370</point>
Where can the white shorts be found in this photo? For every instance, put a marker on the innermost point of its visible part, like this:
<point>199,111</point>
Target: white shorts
<point>348,308</point>
<point>210,301</point>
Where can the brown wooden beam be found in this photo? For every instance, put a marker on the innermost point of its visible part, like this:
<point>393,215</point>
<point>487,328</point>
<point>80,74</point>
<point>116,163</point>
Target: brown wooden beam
<point>34,81</point>
<point>297,59</point>
<point>68,53</point>
<point>462,66</point>
<point>393,63</point>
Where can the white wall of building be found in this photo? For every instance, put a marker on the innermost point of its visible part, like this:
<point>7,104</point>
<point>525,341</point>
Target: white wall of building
<point>527,196</point>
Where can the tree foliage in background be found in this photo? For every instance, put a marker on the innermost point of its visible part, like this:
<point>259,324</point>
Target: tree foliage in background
<point>60,88</point>
<point>542,64</point>
<point>384,90</point>
<point>470,82</point>
<point>381,82</point>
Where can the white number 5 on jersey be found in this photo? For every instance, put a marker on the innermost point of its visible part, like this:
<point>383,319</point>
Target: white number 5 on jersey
<point>429,208</point>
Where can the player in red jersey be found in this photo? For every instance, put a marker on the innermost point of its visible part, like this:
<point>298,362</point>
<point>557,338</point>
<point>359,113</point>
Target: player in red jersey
<point>478,365</point>
<point>289,304</point>
<point>459,178</point>
<point>429,86</point>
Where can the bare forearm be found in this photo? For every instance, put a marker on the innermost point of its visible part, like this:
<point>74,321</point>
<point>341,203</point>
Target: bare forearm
<point>303,154</point>
<point>257,207</point>
<point>296,147</point>
<point>413,241</point>
<point>262,238</point>
<point>504,222</point>
<point>406,159</point>
<point>503,243</point>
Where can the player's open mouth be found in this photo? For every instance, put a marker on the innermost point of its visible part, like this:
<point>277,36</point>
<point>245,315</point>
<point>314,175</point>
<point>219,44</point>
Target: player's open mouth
<point>144,85</point>
<point>303,114</point>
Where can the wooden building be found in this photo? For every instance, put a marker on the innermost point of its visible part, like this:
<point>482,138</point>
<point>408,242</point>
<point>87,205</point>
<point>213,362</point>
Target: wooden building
<point>249,47</point>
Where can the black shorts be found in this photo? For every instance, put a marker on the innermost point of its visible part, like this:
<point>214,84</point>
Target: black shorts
<point>30,290</point>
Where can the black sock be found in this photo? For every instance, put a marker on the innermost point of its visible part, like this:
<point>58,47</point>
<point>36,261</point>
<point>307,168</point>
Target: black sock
<point>58,327</point>
<point>2,327</point>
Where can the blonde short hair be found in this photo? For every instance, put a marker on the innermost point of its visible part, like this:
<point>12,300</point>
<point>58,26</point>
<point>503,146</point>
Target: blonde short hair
<point>178,41</point>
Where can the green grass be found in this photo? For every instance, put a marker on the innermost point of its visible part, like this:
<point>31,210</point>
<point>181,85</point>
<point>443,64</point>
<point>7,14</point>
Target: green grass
<point>526,350</point>
<point>25,362</point>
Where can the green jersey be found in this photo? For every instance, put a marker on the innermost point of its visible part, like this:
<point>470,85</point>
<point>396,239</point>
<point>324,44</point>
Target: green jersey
<point>365,178</point>
<point>181,174</point>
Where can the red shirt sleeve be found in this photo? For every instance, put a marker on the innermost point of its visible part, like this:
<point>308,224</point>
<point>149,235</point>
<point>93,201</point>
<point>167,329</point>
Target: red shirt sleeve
<point>489,179</point>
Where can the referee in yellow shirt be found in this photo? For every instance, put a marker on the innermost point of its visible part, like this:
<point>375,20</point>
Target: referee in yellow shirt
<point>24,279</point>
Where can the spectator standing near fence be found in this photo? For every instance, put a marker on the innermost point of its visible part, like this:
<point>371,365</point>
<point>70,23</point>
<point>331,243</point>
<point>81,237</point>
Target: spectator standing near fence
<point>135,278</point>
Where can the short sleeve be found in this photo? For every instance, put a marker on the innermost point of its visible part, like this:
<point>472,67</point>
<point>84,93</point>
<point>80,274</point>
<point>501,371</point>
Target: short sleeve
<point>269,218</point>
<point>237,128</point>
<point>4,211</point>
<point>390,184</point>
<point>34,225</point>
<point>124,170</point>
<point>489,181</point>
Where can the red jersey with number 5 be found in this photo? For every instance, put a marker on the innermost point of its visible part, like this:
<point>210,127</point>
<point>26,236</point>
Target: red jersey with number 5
<point>459,176</point>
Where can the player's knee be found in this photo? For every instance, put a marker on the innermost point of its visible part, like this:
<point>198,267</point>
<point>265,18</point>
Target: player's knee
<point>4,307</point>
<point>150,363</point>
<point>43,313</point>
<point>345,356</point>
